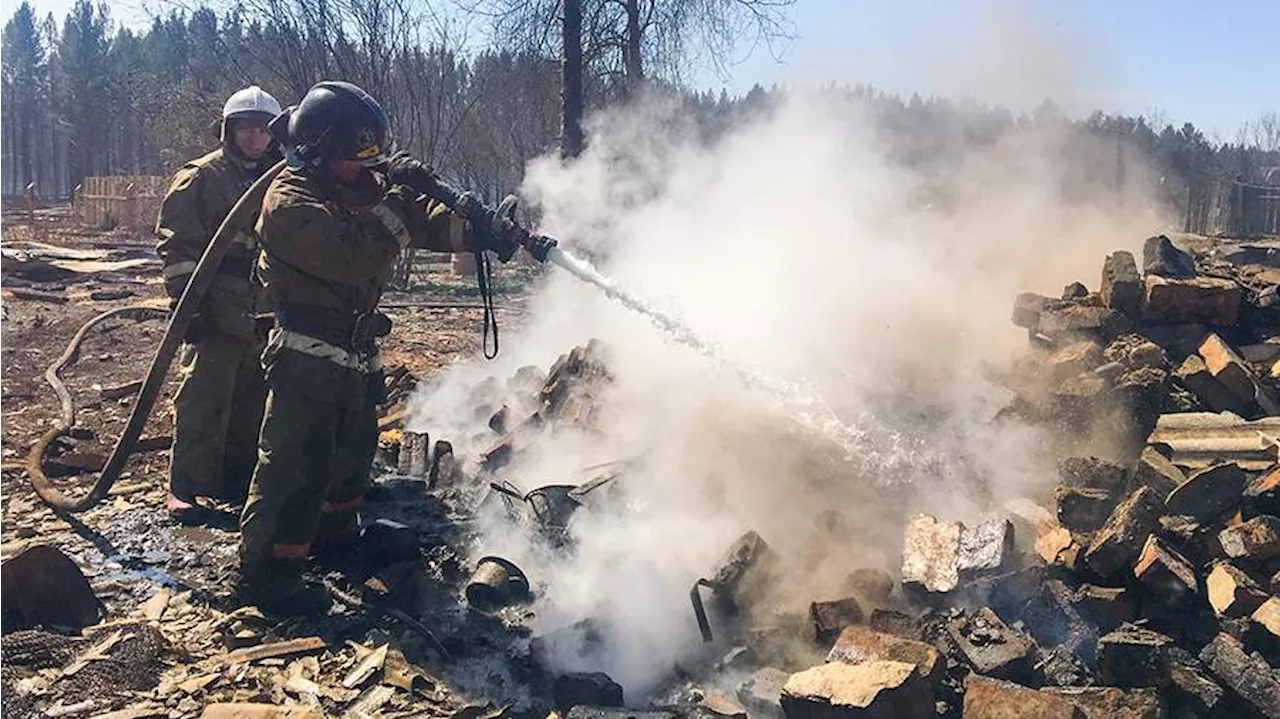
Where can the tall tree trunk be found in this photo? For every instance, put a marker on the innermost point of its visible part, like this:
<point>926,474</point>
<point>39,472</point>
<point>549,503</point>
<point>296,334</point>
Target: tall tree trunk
<point>634,68</point>
<point>571,139</point>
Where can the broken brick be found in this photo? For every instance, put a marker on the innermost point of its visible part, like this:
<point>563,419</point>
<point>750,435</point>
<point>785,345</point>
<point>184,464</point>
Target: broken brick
<point>593,689</point>
<point>1263,494</point>
<point>1027,512</point>
<point>1161,257</point>
<point>1208,493</point>
<point>984,547</point>
<point>1081,509</point>
<point>930,554</point>
<point>1148,354</point>
<point>860,644</point>
<point>987,698</point>
<point>1267,615</point>
<point>1117,545</point>
<point>415,454</point>
<point>1074,359</point>
<point>1143,390</point>
<point>499,455</point>
<point>1080,393</point>
<point>761,692</point>
<point>1257,539</point>
<point>1156,471</point>
<point>1198,542</point>
<point>1060,669</point>
<point>1232,593</point>
<point>775,638</point>
<point>1249,675</point>
<point>991,647</point>
<point>1052,617</point>
<point>888,621</point>
<point>1195,376</point>
<point>1092,473</point>
<point>1121,287</point>
<point>715,703</point>
<point>1209,300</point>
<point>1165,572</point>
<point>1027,308</point>
<point>1178,340</point>
<point>829,618</point>
<point>1229,369</point>
<point>1105,607</point>
<point>1075,322</point>
<point>1191,687</point>
<point>1054,544</point>
<point>870,689</point>
<point>446,471</point>
<point>1027,517</point>
<point>1133,657</point>
<point>1008,593</point>
<point>1112,702</point>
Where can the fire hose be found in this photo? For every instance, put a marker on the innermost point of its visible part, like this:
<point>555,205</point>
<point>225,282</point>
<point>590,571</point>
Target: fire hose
<point>179,321</point>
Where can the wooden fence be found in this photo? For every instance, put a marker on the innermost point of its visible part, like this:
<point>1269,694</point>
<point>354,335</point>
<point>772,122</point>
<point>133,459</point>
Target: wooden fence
<point>1233,208</point>
<point>120,200</point>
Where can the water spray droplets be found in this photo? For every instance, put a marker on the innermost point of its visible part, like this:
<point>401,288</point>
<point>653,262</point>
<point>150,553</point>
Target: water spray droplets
<point>882,447</point>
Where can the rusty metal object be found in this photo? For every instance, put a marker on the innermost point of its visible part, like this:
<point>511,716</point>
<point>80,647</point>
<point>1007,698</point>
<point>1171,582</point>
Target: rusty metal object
<point>496,583</point>
<point>550,507</point>
<point>43,587</point>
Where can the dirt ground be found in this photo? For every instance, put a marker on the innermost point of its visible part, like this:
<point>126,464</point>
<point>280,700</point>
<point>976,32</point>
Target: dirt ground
<point>136,560</point>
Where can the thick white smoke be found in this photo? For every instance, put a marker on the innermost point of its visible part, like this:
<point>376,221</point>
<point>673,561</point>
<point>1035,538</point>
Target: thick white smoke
<point>806,254</point>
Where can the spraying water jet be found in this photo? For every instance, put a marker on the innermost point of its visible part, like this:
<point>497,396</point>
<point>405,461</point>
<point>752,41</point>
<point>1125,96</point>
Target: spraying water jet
<point>803,404</point>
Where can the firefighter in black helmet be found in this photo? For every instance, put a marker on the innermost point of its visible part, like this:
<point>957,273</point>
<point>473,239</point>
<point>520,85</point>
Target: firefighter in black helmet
<point>331,227</point>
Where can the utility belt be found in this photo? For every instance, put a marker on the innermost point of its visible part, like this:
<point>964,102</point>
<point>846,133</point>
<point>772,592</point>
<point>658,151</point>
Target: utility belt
<point>348,338</point>
<point>366,362</point>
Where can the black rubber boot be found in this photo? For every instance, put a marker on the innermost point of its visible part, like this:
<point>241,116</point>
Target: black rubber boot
<point>310,600</point>
<point>276,587</point>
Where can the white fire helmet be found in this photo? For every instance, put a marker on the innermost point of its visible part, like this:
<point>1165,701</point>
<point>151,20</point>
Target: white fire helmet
<point>249,101</point>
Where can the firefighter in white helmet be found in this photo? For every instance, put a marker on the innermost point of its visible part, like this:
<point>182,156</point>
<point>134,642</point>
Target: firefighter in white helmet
<point>219,403</point>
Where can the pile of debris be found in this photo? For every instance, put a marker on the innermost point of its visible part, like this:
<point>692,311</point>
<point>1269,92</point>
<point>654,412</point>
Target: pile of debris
<point>1187,334</point>
<point>518,413</point>
<point>1143,587</point>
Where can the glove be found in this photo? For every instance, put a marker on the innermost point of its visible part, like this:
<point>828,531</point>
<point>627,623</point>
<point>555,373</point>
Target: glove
<point>539,246</point>
<point>502,240</point>
<point>405,169</point>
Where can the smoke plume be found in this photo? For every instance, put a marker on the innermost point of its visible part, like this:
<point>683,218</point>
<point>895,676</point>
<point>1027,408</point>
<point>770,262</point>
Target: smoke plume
<point>808,253</point>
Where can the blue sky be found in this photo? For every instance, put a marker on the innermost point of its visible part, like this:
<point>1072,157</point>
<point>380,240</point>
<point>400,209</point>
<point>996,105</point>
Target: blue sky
<point>1211,63</point>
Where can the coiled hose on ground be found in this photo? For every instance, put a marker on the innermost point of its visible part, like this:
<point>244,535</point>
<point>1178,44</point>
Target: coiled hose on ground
<point>236,220</point>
